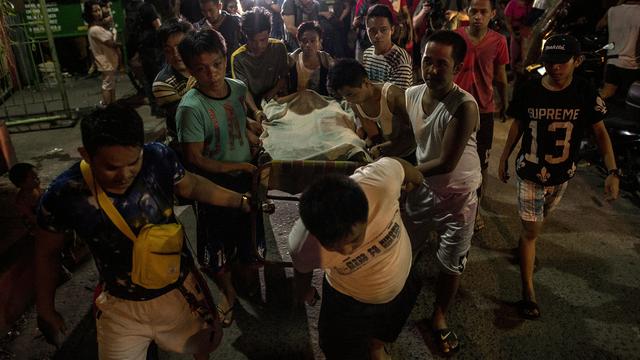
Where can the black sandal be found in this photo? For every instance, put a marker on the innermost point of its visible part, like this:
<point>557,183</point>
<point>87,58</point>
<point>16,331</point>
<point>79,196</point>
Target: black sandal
<point>528,309</point>
<point>447,341</point>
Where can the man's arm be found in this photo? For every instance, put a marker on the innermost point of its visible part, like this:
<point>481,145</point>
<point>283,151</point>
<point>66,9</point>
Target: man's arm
<point>304,291</point>
<point>501,83</point>
<point>346,11</point>
<point>280,85</point>
<point>420,17</point>
<point>47,255</point>
<point>612,182</point>
<point>193,156</point>
<point>407,14</point>
<point>515,133</point>
<point>258,115</point>
<point>195,187</point>
<point>412,176</point>
<point>456,136</point>
<point>290,25</point>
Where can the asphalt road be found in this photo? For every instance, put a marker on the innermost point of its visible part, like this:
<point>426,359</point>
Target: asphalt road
<point>587,285</point>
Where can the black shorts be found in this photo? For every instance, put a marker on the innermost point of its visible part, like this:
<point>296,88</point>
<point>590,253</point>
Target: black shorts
<point>620,77</point>
<point>484,138</point>
<point>224,233</point>
<point>346,325</point>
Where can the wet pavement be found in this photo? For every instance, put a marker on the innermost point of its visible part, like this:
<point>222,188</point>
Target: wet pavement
<point>587,282</point>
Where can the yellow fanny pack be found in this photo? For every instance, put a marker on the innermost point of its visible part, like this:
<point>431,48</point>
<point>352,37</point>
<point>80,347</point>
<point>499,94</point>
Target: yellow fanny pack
<point>156,249</point>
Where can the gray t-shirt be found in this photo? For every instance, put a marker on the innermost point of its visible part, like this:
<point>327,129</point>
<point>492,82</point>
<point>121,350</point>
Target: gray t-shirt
<point>260,73</point>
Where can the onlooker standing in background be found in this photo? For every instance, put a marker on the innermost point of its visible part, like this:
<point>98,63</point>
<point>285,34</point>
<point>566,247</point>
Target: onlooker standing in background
<point>294,13</point>
<point>484,67</point>
<point>277,24</point>
<point>309,65</point>
<point>516,13</point>
<point>226,24</point>
<point>385,61</point>
<point>623,64</point>
<point>190,9</point>
<point>150,50</point>
<point>230,6</point>
<point>343,11</point>
<point>262,64</point>
<point>171,83</point>
<point>104,49</point>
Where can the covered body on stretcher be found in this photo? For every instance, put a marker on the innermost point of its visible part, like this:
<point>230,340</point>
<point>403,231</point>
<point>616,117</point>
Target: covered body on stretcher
<point>307,136</point>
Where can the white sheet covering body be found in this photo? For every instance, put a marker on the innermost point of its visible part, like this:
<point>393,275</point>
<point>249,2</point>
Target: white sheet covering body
<point>311,127</point>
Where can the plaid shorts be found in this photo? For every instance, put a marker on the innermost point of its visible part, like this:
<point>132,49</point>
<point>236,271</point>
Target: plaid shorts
<point>535,201</point>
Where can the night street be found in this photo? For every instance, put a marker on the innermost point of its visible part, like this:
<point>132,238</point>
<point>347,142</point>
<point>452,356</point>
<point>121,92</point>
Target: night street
<point>589,258</point>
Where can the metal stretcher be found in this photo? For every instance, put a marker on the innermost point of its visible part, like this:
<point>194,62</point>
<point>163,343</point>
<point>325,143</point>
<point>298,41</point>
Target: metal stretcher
<point>289,176</point>
<point>334,152</point>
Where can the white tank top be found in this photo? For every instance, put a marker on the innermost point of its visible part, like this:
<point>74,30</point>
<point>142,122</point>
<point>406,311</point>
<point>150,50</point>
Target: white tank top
<point>429,133</point>
<point>392,127</point>
<point>384,117</point>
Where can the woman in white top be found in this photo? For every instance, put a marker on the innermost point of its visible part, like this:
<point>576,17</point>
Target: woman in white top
<point>104,48</point>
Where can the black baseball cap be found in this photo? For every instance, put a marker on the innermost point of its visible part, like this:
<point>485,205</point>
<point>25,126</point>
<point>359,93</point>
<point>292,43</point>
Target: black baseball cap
<point>559,49</point>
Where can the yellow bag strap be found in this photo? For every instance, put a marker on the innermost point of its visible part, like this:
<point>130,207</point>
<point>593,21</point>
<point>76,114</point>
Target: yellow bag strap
<point>105,203</point>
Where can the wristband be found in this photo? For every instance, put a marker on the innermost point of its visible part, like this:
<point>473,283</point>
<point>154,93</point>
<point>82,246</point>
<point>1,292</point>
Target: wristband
<point>615,172</point>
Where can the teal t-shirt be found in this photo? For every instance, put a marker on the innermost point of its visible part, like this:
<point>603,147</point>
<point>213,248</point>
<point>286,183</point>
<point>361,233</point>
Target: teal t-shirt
<point>221,124</point>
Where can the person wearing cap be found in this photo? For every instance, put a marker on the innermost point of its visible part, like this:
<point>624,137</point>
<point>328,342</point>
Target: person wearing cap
<point>550,115</point>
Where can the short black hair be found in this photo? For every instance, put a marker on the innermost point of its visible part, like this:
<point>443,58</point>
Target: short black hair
<point>455,40</point>
<point>200,42</point>
<point>171,27</point>
<point>491,2</point>
<point>18,173</point>
<point>256,21</point>
<point>346,72</point>
<point>309,26</point>
<point>87,10</point>
<point>381,10</point>
<point>206,1</point>
<point>331,206</point>
<point>117,124</point>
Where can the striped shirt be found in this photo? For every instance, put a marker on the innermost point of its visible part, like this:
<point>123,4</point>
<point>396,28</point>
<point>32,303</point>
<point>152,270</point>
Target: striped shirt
<point>393,67</point>
<point>169,86</point>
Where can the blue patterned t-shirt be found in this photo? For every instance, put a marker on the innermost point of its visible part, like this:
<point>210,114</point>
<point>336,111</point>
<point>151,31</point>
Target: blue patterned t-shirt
<point>68,204</point>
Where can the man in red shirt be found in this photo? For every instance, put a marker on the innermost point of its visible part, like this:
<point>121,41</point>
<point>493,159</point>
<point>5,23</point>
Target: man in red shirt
<point>484,67</point>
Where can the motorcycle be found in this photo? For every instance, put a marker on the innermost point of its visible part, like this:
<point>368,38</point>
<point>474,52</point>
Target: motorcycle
<point>624,131</point>
<point>623,127</point>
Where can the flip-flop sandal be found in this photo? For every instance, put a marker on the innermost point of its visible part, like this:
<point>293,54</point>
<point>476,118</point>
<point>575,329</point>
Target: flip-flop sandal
<point>226,317</point>
<point>528,309</point>
<point>447,341</point>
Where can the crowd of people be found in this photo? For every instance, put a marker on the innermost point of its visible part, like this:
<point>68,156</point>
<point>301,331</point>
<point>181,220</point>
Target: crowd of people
<point>420,82</point>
